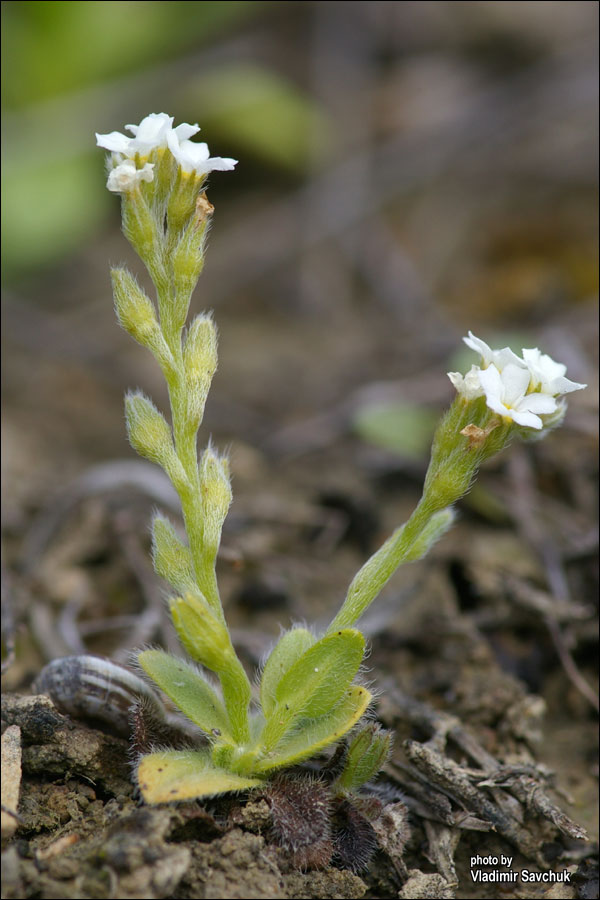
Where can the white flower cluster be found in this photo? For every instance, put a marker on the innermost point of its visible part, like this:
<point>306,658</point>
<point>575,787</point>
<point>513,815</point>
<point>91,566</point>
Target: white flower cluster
<point>153,133</point>
<point>520,389</point>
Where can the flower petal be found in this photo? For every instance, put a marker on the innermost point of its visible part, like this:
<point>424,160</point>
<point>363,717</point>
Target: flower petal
<point>528,419</point>
<point>499,358</point>
<point>184,131</point>
<point>505,357</point>
<point>115,141</point>
<point>222,164</point>
<point>152,128</point>
<point>515,381</point>
<point>479,346</point>
<point>125,177</point>
<point>538,403</point>
<point>469,385</point>
<point>491,382</point>
<point>565,386</point>
<point>496,405</point>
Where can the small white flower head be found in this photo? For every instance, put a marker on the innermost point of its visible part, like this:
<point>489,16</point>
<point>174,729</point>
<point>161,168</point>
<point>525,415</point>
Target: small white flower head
<point>151,134</point>
<point>196,157</point>
<point>125,177</point>
<point>547,375</point>
<point>469,385</point>
<point>506,394</point>
<point>498,358</point>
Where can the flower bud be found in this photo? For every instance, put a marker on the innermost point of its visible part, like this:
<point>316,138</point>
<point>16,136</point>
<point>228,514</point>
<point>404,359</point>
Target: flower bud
<point>140,229</point>
<point>216,498</point>
<point>135,310</point>
<point>182,201</point>
<point>125,177</point>
<point>469,385</point>
<point>136,314</point>
<point>164,173</point>
<point>150,436</point>
<point>187,260</point>
<point>172,559</point>
<point>207,641</point>
<point>204,637</point>
<point>200,360</point>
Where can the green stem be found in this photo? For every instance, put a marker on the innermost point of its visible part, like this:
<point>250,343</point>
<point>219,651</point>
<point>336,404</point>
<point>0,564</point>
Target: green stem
<point>455,460</point>
<point>191,499</point>
<point>235,684</point>
<point>378,570</point>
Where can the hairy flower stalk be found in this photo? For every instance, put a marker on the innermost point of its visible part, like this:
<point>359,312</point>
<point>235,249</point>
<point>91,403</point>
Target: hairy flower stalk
<point>309,696</point>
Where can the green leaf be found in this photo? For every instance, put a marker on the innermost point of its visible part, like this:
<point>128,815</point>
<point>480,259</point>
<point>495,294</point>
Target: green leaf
<point>185,775</point>
<point>313,735</point>
<point>315,683</point>
<point>318,679</point>
<point>367,754</point>
<point>290,647</point>
<point>188,690</point>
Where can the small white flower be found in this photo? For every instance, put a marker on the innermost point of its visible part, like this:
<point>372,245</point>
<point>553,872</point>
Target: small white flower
<point>152,133</point>
<point>469,385</point>
<point>196,157</point>
<point>506,394</point>
<point>498,358</point>
<point>547,375</point>
<point>125,177</point>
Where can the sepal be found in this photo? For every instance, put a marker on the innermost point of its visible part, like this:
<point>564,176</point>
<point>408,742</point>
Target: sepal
<point>188,261</point>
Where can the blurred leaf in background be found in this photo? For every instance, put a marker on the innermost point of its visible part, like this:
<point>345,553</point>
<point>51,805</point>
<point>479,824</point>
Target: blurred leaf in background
<point>402,428</point>
<point>260,111</point>
<point>51,48</point>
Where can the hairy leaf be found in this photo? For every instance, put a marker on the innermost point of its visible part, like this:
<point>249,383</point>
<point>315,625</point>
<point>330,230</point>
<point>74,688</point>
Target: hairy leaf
<point>367,753</point>
<point>285,653</point>
<point>315,683</point>
<point>312,735</point>
<point>188,690</point>
<point>184,775</point>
